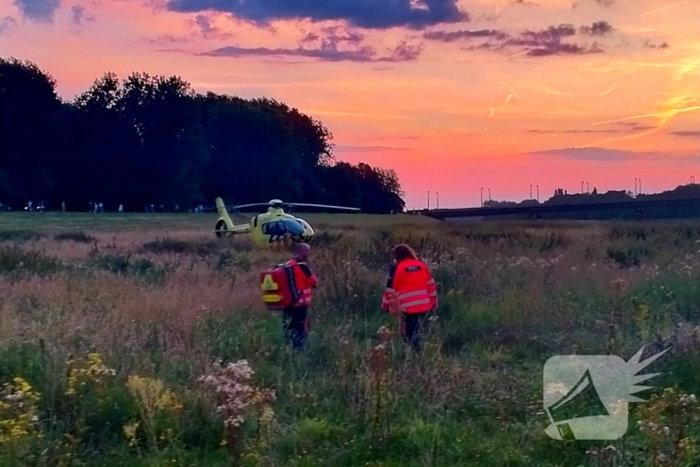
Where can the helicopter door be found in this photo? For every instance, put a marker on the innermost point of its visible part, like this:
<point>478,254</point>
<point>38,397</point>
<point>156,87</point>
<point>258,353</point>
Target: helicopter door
<point>279,228</point>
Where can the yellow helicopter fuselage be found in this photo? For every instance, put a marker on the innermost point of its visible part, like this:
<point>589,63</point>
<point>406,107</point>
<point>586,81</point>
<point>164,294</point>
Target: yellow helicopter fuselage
<point>271,227</point>
<point>276,225</point>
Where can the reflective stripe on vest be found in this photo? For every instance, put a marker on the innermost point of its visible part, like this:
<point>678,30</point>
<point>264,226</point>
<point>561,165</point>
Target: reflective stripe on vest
<point>431,288</point>
<point>415,302</point>
<point>305,297</point>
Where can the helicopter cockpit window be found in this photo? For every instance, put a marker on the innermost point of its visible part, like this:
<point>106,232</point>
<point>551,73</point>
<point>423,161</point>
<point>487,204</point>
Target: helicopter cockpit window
<point>283,227</point>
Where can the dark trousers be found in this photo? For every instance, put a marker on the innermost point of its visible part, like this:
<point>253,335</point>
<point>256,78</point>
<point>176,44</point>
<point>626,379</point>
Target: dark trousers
<point>411,327</point>
<point>295,325</point>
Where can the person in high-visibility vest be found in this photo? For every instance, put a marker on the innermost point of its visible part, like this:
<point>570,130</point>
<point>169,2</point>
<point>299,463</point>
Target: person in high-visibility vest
<point>410,291</point>
<point>295,316</point>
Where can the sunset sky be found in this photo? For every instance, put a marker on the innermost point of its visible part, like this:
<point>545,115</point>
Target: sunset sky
<point>454,95</point>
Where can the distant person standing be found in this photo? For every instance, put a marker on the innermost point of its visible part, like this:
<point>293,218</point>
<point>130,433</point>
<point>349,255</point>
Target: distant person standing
<point>121,208</point>
<point>63,206</point>
<point>410,291</point>
<point>295,317</point>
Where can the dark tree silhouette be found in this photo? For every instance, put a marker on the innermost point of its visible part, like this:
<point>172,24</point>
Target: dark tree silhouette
<point>153,140</point>
<point>29,108</point>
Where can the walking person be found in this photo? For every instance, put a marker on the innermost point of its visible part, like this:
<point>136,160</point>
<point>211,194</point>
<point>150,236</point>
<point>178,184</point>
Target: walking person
<point>410,291</point>
<point>295,316</point>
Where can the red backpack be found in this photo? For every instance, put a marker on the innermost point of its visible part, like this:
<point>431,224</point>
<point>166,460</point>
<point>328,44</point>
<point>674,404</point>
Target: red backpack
<point>278,287</point>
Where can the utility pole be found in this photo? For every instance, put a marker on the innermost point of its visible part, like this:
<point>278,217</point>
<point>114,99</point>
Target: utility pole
<point>640,186</point>
<point>635,186</point>
<point>530,191</point>
<point>581,187</point>
<point>428,201</point>
<point>437,194</point>
<point>538,193</point>
<point>489,194</point>
<point>482,197</point>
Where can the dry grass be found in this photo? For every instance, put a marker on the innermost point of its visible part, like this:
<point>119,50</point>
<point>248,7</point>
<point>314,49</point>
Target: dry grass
<point>167,301</point>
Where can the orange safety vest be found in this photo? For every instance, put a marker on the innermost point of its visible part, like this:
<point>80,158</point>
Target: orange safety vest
<point>411,287</point>
<point>303,282</point>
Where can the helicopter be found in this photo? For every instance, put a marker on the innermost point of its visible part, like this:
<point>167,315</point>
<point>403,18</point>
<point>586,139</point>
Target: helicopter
<point>271,227</point>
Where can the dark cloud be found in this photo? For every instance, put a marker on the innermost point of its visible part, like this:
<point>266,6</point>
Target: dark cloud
<point>334,34</point>
<point>40,11</point>
<point>328,51</point>
<point>370,14</point>
<point>560,48</point>
<point>404,52</point>
<point>334,43</point>
<point>599,28</point>
<point>634,126</point>
<point>552,33</point>
<point>539,49</point>
<point>330,54</point>
<point>7,23</point>
<point>452,36</point>
<point>556,33</point>
<point>648,44</point>
<point>549,41</point>
<point>686,133</point>
<point>79,15</point>
<point>204,24</point>
<point>535,43</point>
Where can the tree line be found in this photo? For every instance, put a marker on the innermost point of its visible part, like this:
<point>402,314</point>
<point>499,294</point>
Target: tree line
<point>153,140</point>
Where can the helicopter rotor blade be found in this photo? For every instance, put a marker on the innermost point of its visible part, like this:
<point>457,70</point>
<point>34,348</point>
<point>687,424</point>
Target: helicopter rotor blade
<point>323,206</point>
<point>247,205</point>
<point>282,203</point>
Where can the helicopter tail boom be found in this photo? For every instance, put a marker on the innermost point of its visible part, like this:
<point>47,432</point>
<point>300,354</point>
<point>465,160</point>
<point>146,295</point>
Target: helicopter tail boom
<point>223,212</point>
<point>225,225</point>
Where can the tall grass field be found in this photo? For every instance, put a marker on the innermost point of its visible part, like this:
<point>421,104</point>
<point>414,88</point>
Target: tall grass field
<point>142,340</point>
